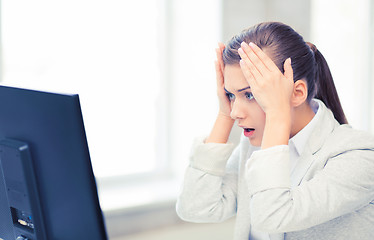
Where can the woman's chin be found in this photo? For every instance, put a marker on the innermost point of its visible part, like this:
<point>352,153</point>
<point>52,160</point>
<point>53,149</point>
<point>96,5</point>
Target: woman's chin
<point>255,142</point>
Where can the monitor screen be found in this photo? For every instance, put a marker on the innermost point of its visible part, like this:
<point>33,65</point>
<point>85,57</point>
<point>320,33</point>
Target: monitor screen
<point>47,186</point>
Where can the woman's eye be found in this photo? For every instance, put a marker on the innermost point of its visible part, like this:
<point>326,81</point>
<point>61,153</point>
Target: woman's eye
<point>230,96</point>
<point>249,95</point>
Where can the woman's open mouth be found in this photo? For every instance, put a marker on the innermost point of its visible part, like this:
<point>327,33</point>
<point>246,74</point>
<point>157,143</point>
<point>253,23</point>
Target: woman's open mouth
<point>248,132</point>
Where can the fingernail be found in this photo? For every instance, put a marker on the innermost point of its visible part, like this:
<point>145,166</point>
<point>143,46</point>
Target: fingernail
<point>251,44</point>
<point>240,51</point>
<point>244,44</point>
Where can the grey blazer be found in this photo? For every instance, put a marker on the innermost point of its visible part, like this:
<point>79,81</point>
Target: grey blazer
<point>334,200</point>
<point>349,155</point>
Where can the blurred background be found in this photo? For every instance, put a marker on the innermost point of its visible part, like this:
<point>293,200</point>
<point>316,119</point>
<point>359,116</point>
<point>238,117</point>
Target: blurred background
<point>144,71</point>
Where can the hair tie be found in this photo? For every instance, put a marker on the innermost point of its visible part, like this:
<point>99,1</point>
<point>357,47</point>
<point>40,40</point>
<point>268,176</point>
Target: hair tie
<point>312,47</point>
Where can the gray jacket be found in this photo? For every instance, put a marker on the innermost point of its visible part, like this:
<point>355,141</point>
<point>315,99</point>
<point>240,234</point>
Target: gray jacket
<point>334,199</point>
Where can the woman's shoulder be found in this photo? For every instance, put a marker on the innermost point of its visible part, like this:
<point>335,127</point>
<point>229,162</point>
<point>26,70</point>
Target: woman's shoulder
<point>345,148</point>
<point>346,138</point>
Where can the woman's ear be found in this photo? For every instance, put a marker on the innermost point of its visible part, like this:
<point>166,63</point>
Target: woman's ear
<point>300,93</point>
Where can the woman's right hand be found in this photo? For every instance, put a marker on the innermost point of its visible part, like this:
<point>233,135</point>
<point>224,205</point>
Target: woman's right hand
<point>224,103</point>
<point>223,125</point>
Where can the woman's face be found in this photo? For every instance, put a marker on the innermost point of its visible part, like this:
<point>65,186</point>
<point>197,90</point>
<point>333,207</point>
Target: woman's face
<point>244,108</point>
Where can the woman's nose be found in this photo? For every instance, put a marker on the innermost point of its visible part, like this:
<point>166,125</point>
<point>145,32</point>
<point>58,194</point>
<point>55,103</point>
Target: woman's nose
<point>236,111</point>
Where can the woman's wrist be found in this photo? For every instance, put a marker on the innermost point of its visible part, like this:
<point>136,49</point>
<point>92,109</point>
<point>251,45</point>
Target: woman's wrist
<point>224,116</point>
<point>221,129</point>
<point>277,129</point>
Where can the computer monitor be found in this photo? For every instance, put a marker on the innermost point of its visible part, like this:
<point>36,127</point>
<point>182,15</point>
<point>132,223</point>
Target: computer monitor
<point>47,186</point>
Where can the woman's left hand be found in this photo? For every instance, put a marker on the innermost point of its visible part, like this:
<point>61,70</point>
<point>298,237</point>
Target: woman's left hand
<point>271,89</point>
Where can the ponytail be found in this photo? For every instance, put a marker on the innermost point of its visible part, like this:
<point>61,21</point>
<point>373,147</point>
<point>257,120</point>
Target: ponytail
<point>326,91</point>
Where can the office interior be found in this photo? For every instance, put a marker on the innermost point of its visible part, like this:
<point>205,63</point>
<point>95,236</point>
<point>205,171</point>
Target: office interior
<point>144,71</point>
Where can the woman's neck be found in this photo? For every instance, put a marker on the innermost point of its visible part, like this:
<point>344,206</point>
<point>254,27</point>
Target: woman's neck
<point>302,115</point>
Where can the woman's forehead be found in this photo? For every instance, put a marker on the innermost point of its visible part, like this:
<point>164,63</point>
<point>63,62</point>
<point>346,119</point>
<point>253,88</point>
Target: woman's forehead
<point>234,78</point>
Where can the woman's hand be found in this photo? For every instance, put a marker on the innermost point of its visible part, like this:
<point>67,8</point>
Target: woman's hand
<point>223,125</point>
<point>272,91</point>
<point>224,103</point>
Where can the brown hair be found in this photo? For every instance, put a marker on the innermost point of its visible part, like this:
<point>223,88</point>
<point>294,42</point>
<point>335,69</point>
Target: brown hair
<point>281,42</point>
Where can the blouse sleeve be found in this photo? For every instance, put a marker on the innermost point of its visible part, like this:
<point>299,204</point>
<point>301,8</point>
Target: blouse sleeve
<point>210,183</point>
<point>345,184</point>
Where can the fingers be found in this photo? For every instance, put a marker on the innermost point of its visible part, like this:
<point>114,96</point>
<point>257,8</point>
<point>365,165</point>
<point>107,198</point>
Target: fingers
<point>247,74</point>
<point>250,66</point>
<point>260,56</point>
<point>288,71</point>
<point>221,46</point>
<point>219,65</point>
<point>224,103</point>
<point>219,59</point>
<point>219,75</point>
<point>219,52</point>
<point>253,61</point>
<point>259,64</point>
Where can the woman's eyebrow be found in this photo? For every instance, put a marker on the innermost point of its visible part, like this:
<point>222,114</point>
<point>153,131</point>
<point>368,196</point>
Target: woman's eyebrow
<point>243,89</point>
<point>238,90</point>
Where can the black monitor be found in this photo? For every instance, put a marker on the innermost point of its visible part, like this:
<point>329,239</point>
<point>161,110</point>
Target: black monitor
<point>47,186</point>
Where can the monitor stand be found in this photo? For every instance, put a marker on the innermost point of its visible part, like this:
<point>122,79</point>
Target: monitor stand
<point>19,201</point>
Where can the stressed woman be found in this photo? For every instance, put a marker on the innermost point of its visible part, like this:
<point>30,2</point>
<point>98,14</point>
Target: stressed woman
<point>300,171</point>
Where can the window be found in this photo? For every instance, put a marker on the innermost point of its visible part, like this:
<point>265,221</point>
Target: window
<point>342,31</point>
<point>108,52</point>
<point>143,70</point>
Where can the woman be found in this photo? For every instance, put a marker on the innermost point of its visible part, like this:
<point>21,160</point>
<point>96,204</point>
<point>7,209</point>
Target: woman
<point>299,172</point>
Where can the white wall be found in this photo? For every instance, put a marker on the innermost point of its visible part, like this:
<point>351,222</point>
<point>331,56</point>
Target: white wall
<point>342,31</point>
<point>241,14</point>
<point>236,15</point>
